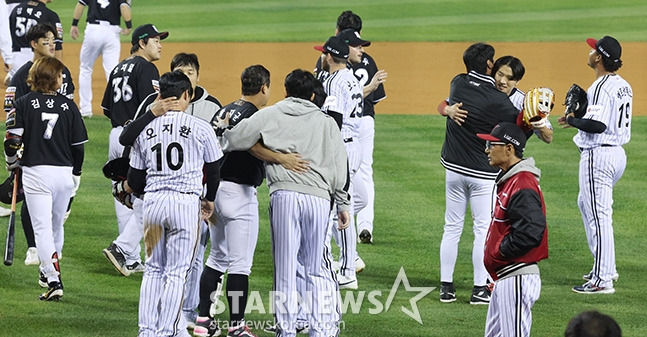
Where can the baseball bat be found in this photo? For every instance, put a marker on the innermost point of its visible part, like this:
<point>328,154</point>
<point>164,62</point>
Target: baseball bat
<point>9,247</point>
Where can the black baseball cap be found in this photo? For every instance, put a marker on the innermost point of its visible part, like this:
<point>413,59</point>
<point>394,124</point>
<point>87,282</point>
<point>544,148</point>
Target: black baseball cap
<point>607,47</point>
<point>146,31</point>
<point>334,46</point>
<point>508,133</point>
<point>352,38</point>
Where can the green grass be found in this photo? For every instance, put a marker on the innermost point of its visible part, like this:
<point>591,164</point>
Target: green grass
<point>387,20</point>
<point>409,220</point>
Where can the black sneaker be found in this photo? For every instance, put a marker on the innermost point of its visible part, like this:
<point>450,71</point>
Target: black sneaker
<point>365,236</point>
<point>54,292</point>
<point>447,292</point>
<point>116,257</point>
<point>206,327</point>
<point>480,295</point>
<point>42,280</point>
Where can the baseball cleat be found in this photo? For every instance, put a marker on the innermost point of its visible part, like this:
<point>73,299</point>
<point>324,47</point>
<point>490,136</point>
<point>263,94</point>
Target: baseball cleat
<point>241,331</point>
<point>359,264</point>
<point>365,236</point>
<point>31,258</point>
<point>587,277</point>
<point>589,288</point>
<point>480,295</point>
<point>114,255</point>
<point>447,292</point>
<point>42,280</point>
<point>205,327</point>
<point>136,267</point>
<point>347,282</point>
<point>54,292</point>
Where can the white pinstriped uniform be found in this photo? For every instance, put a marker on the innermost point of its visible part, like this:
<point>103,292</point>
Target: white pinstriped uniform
<point>172,149</point>
<point>513,297</point>
<point>288,210</point>
<point>602,163</point>
<point>345,96</point>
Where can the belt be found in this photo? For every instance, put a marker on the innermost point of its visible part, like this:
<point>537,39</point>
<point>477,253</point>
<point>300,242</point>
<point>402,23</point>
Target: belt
<point>348,140</point>
<point>603,145</point>
<point>21,49</point>
<point>100,22</point>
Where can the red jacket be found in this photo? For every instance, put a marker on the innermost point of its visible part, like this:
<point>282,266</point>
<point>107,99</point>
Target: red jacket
<point>518,234</point>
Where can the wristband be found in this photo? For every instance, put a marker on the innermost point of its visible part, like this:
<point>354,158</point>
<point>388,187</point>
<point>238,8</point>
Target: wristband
<point>75,22</point>
<point>129,24</point>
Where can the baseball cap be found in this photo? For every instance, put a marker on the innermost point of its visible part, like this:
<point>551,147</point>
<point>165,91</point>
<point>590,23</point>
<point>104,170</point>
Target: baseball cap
<point>351,37</point>
<point>335,46</point>
<point>508,133</point>
<point>147,30</point>
<point>607,47</point>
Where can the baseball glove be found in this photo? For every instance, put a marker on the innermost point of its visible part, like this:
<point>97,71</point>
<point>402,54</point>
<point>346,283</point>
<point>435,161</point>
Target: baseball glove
<point>537,106</point>
<point>576,101</point>
<point>116,169</point>
<point>119,192</point>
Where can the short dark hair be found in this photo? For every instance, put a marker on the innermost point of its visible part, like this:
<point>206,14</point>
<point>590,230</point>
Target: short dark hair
<point>253,78</point>
<point>609,65</point>
<point>518,70</point>
<point>320,94</point>
<point>300,84</point>
<point>592,324</point>
<point>43,74</point>
<point>476,56</point>
<point>39,31</point>
<point>185,60</point>
<point>174,84</point>
<point>348,19</point>
<point>136,46</point>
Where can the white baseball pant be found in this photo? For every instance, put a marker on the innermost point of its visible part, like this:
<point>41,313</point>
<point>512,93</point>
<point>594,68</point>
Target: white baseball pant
<point>366,214</point>
<point>509,313</point>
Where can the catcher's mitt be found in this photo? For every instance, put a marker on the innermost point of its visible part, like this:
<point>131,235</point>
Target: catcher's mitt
<point>537,106</point>
<point>116,169</point>
<point>576,101</point>
<point>119,192</point>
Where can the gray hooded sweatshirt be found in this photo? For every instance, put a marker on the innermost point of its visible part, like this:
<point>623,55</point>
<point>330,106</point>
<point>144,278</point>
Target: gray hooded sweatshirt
<point>295,125</point>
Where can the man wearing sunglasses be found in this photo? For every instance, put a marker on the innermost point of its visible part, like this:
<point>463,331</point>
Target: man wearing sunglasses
<point>518,235</point>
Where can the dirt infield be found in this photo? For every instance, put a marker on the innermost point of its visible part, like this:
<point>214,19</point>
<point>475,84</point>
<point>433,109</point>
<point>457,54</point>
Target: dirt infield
<point>419,73</point>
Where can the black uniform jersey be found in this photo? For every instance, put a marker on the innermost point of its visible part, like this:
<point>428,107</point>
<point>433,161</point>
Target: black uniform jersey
<point>51,125</point>
<point>240,166</point>
<point>364,73</point>
<point>130,82</point>
<point>104,10</point>
<point>463,152</point>
<point>21,88</point>
<point>28,14</point>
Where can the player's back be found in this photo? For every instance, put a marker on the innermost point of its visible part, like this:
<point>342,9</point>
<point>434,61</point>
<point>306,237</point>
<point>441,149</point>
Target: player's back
<point>20,87</point>
<point>27,15</point>
<point>345,97</point>
<point>52,124</point>
<point>130,82</point>
<point>610,102</point>
<point>173,149</point>
<point>102,10</point>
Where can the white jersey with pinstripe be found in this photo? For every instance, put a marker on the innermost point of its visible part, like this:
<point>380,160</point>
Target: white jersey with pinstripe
<point>509,312</point>
<point>172,149</point>
<point>602,164</point>
<point>345,96</point>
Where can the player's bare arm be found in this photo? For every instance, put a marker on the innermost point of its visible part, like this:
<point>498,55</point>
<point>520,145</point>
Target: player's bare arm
<point>78,11</point>
<point>127,15</point>
<point>290,161</point>
<point>378,78</point>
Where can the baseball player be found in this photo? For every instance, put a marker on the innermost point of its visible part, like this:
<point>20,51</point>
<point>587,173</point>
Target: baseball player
<point>602,130</point>
<point>344,104</point>
<point>518,235</point>
<point>371,79</point>
<point>130,82</point>
<point>235,223</point>
<point>23,17</point>
<point>52,131</point>
<point>167,163</point>
<point>507,72</point>
<point>300,202</point>
<point>101,37</point>
<point>5,37</point>
<point>203,106</point>
<point>41,40</point>
<point>469,177</point>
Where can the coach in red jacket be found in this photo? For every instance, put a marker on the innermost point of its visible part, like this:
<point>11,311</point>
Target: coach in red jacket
<point>518,234</point>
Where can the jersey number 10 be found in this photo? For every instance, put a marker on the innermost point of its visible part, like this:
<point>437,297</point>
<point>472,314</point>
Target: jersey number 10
<point>170,149</point>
